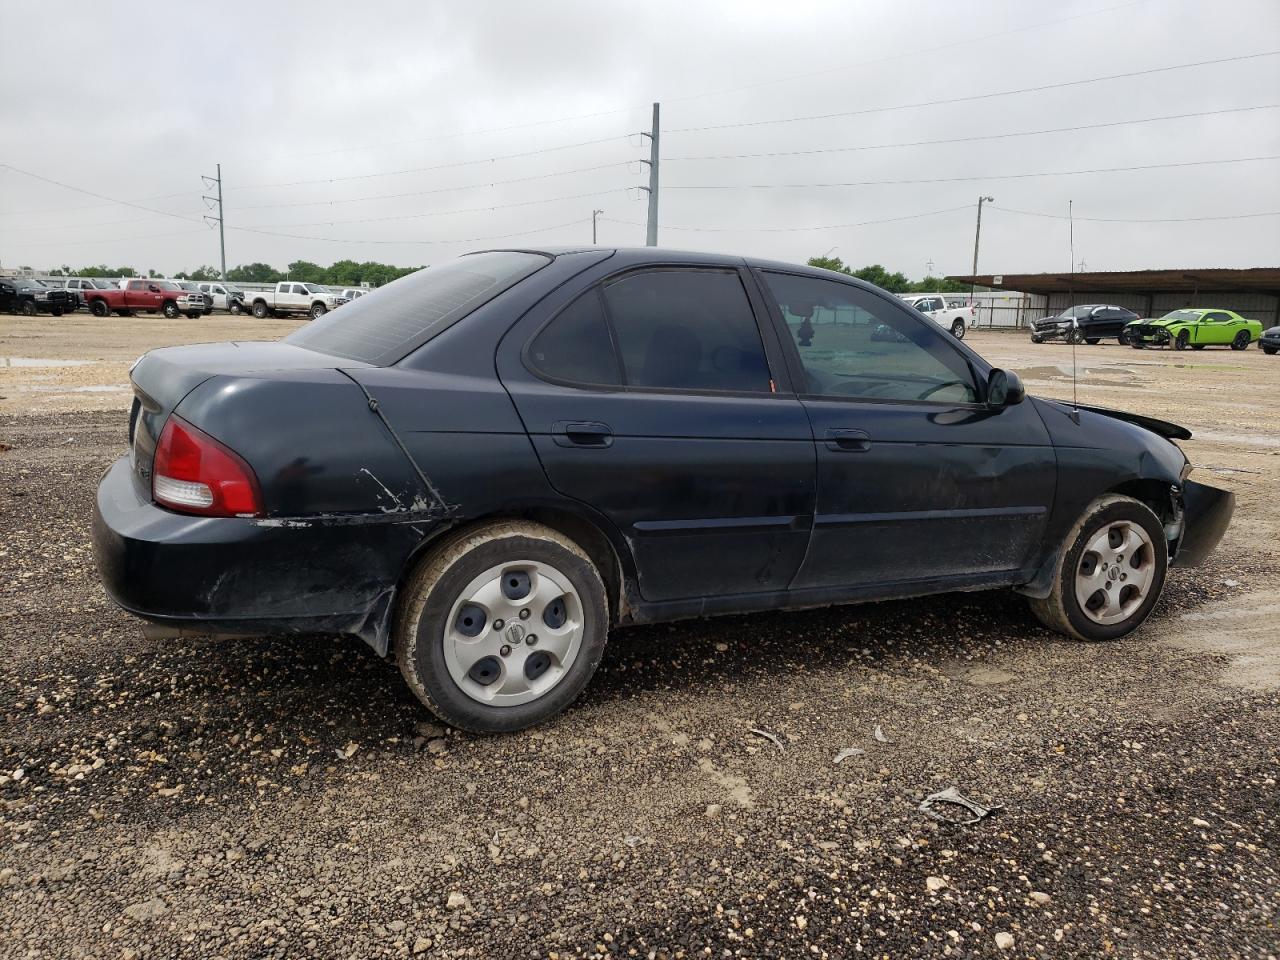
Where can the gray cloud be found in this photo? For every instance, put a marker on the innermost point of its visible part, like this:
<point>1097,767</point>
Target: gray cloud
<point>140,99</point>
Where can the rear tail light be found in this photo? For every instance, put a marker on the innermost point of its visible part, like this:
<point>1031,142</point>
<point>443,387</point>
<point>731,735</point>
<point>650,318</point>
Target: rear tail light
<point>194,473</point>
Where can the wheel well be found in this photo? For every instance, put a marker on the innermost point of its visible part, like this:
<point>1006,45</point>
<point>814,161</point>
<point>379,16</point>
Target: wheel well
<point>582,532</point>
<point>1154,493</point>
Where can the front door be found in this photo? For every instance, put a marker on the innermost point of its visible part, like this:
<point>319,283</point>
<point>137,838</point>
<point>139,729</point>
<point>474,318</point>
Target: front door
<point>918,480</point>
<point>651,398</point>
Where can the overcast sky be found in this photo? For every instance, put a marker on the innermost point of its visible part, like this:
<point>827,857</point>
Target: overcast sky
<point>134,101</point>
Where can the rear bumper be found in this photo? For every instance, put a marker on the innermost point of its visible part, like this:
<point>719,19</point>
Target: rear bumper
<point>1206,514</point>
<point>245,576</point>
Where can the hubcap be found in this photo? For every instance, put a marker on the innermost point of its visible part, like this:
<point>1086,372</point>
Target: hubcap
<point>513,633</point>
<point>1115,573</point>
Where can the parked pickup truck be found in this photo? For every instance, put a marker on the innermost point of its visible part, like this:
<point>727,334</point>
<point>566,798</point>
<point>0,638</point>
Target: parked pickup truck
<point>145,296</point>
<point>313,299</point>
<point>953,314</point>
<point>79,288</point>
<point>28,297</point>
<point>225,296</point>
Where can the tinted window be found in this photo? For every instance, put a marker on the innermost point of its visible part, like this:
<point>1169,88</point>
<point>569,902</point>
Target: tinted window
<point>575,346</point>
<point>853,343</point>
<point>410,311</point>
<point>687,329</point>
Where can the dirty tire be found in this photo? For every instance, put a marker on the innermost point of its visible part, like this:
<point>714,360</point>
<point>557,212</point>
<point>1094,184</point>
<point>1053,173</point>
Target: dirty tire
<point>957,329</point>
<point>1061,611</point>
<point>318,310</point>
<point>425,604</point>
<point>236,308</point>
<point>260,310</point>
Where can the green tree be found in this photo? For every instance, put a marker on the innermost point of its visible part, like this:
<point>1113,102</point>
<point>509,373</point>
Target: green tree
<point>306,271</point>
<point>254,273</point>
<point>829,263</point>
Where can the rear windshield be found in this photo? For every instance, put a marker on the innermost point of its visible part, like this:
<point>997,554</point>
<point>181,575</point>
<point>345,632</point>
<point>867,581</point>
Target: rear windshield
<point>396,319</point>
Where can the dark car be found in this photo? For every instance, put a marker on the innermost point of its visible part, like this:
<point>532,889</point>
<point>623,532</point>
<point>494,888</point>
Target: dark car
<point>1088,323</point>
<point>485,466</point>
<point>1269,342</point>
<point>29,297</point>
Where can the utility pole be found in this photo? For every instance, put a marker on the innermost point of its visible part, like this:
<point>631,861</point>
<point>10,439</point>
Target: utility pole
<point>222,236</point>
<point>651,222</point>
<point>594,214</point>
<point>977,235</point>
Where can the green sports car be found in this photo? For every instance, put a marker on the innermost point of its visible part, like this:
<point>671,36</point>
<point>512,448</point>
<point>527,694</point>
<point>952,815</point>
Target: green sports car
<point>1196,329</point>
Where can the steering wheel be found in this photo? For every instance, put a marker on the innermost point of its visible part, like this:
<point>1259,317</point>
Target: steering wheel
<point>941,386</point>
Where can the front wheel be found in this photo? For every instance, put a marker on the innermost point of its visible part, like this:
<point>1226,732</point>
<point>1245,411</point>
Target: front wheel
<point>28,308</point>
<point>957,328</point>
<point>1181,341</point>
<point>502,627</point>
<point>1241,342</point>
<point>171,310</point>
<point>1269,351</point>
<point>1110,572</point>
<point>318,310</point>
<point>236,308</point>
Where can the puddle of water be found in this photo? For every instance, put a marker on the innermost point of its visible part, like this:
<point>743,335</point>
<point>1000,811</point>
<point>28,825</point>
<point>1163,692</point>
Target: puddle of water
<point>43,362</point>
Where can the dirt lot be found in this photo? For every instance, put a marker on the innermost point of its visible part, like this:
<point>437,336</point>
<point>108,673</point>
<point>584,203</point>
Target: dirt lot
<point>287,797</point>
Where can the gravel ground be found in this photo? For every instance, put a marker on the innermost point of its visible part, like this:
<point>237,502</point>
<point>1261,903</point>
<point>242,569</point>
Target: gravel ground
<point>288,797</point>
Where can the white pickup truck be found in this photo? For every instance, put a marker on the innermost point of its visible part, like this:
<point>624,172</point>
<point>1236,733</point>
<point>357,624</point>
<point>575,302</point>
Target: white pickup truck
<point>290,296</point>
<point>952,314</point>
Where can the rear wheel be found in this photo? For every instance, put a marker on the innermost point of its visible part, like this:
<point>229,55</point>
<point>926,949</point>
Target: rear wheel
<point>502,627</point>
<point>99,308</point>
<point>1110,572</point>
<point>260,309</point>
<point>957,328</point>
<point>56,311</point>
<point>1181,340</point>
<point>1241,342</point>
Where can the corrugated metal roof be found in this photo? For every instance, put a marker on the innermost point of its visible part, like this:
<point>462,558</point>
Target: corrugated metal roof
<point>1202,279</point>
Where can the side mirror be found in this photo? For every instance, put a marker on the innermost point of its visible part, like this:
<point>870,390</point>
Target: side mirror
<point>1004,389</point>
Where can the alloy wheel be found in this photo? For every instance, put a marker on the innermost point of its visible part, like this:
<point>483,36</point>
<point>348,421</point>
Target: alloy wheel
<point>513,633</point>
<point>1115,572</point>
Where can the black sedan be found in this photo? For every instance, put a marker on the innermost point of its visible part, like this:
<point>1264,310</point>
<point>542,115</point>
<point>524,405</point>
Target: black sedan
<point>1269,342</point>
<point>484,467</point>
<point>1087,323</point>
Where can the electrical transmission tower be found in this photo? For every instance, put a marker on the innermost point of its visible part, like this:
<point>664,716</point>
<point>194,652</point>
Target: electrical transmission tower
<point>222,236</point>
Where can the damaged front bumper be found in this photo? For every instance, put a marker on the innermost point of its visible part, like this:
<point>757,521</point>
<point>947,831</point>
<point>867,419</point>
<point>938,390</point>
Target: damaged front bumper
<point>1203,515</point>
<point>233,575</point>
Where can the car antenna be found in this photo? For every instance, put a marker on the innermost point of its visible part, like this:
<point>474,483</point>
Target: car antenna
<point>1075,321</point>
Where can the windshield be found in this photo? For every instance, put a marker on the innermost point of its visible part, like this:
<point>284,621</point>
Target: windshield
<point>315,288</point>
<point>1182,315</point>
<point>409,312</point>
<point>1081,311</point>
<point>103,284</point>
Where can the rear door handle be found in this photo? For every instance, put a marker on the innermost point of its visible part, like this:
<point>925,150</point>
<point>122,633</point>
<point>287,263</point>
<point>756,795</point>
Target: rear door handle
<point>848,441</point>
<point>582,433</point>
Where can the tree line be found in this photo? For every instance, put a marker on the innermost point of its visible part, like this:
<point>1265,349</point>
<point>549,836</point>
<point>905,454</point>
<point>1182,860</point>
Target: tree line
<point>343,273</point>
<point>893,282</point>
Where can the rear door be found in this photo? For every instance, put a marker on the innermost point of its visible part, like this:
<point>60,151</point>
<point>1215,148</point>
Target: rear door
<point>652,398</point>
<point>918,480</point>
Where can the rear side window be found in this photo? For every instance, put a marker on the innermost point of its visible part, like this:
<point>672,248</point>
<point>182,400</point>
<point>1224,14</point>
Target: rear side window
<point>405,314</point>
<point>575,347</point>
<point>687,329</point>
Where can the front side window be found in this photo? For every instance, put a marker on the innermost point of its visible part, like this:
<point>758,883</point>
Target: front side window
<point>687,329</point>
<point>854,344</point>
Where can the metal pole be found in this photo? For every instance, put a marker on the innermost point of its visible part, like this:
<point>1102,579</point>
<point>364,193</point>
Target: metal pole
<point>651,224</point>
<point>594,214</point>
<point>222,226</point>
<point>977,236</point>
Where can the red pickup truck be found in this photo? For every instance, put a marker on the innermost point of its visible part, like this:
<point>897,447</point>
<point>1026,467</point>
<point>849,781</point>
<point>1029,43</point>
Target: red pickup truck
<point>145,296</point>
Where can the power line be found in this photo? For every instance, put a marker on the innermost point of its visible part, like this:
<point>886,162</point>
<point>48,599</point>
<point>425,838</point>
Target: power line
<point>978,96</point>
<point>503,236</point>
<point>990,136</point>
<point>1002,176</point>
<point>439,166</point>
<point>98,196</point>
<point>445,213</point>
<point>1058,216</point>
<point>89,206</point>
<point>829,226</point>
<point>423,193</point>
